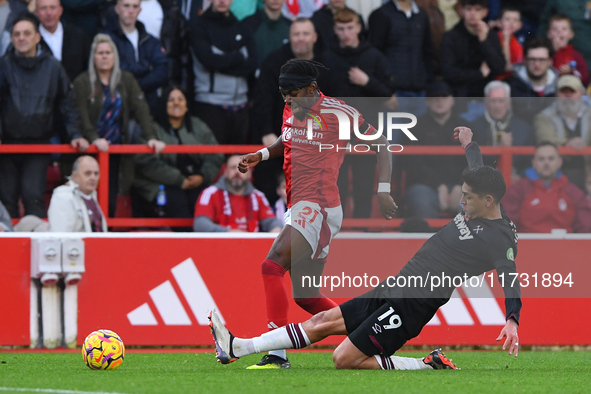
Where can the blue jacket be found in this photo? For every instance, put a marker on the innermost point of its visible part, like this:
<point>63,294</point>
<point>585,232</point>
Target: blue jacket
<point>151,71</point>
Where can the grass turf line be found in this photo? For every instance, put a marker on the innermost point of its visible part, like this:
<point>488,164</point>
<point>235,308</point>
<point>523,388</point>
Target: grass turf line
<point>311,372</point>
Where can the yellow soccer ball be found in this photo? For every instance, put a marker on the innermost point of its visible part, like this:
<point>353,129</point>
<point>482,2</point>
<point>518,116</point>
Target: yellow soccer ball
<point>103,349</point>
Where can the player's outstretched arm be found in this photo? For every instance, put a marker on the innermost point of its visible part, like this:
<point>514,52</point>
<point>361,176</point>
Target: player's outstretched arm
<point>510,332</point>
<point>252,159</point>
<point>387,205</point>
<point>473,155</point>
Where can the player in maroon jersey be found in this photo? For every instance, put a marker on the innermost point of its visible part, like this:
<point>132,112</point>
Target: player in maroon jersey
<point>314,207</point>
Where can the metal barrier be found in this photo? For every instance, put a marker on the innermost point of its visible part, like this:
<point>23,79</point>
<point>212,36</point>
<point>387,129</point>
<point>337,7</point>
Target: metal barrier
<point>504,163</point>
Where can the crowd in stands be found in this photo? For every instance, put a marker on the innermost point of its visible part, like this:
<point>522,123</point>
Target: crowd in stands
<point>205,72</point>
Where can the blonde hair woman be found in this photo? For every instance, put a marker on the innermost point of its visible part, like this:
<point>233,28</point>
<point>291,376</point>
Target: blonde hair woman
<point>107,99</point>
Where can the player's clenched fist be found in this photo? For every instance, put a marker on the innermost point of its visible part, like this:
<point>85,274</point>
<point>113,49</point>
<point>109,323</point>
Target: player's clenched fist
<point>463,134</point>
<point>387,205</point>
<point>249,161</point>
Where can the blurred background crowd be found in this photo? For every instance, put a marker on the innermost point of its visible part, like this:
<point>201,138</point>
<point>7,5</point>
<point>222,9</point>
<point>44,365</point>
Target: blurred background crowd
<point>195,72</point>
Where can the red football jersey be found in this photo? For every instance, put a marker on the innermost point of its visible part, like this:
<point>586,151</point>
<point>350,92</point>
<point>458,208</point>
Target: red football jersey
<point>233,211</point>
<point>311,173</point>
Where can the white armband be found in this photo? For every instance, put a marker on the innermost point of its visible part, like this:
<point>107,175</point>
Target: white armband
<point>384,187</point>
<point>264,154</point>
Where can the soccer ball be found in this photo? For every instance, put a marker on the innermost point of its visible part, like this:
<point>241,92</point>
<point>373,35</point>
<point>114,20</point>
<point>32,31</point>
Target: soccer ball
<point>103,349</point>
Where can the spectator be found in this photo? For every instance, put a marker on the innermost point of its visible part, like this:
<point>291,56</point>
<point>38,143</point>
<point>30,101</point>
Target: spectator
<point>35,88</point>
<point>579,13</point>
<point>183,175</point>
<point>68,43</point>
<point>139,53</point>
<point>73,206</point>
<point>84,13</point>
<point>10,10</point>
<point>269,28</point>
<point>545,199</point>
<point>324,22</point>
<point>164,20</point>
<point>471,54</point>
<point>509,24</point>
<point>432,185</point>
<point>294,9</point>
<point>500,127</point>
<point>107,98</point>
<point>268,105</point>
<point>6,221</point>
<point>357,70</point>
<point>400,30</point>
<point>224,56</point>
<point>530,11</point>
<point>234,205</point>
<point>535,80</point>
<point>567,122</point>
<point>561,33</point>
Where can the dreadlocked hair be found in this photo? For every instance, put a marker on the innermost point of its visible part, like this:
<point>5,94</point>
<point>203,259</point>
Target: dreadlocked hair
<point>303,67</point>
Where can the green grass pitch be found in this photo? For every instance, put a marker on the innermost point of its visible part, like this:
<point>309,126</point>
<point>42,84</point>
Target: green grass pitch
<point>313,372</point>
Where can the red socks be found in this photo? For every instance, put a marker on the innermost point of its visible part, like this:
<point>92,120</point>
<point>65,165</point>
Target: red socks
<point>275,294</point>
<point>315,305</point>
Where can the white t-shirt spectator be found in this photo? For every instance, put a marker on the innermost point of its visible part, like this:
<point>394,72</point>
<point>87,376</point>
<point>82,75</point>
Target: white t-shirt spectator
<point>54,40</point>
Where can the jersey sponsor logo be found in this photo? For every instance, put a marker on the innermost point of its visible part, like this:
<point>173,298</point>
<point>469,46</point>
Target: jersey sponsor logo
<point>286,134</point>
<point>168,303</point>
<point>460,223</point>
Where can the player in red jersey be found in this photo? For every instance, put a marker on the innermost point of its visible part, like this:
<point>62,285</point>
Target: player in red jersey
<point>311,169</point>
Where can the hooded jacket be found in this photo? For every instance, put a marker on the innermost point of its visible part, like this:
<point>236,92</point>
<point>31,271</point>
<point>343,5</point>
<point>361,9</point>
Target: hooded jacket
<point>31,89</point>
<point>526,101</point>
